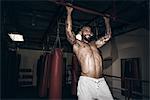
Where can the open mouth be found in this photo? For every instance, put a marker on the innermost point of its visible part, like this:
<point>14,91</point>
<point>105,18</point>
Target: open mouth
<point>87,36</point>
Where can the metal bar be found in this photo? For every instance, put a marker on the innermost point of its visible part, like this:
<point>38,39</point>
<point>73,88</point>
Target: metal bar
<point>90,11</point>
<point>121,89</point>
<point>127,78</point>
<point>96,17</point>
<point>81,9</point>
<point>134,79</point>
<point>111,76</point>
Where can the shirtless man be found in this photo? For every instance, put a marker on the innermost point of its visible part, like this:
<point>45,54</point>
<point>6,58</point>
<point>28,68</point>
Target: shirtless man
<point>91,84</point>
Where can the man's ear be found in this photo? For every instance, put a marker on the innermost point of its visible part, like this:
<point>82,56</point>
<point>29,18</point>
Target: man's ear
<point>79,36</point>
<point>80,32</point>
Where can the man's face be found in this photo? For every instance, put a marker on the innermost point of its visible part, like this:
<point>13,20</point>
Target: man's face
<point>87,33</point>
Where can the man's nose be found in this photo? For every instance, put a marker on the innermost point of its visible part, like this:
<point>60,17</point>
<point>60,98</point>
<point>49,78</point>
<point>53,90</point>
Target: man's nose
<point>88,33</point>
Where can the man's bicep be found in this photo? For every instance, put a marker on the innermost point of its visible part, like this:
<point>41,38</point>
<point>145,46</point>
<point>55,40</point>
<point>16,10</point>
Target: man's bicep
<point>70,37</point>
<point>100,42</point>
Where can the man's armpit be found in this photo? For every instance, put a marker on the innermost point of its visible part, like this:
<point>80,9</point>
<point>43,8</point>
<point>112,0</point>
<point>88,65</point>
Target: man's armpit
<point>99,43</point>
<point>76,43</point>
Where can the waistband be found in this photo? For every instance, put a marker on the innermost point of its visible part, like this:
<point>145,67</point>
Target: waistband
<point>92,79</point>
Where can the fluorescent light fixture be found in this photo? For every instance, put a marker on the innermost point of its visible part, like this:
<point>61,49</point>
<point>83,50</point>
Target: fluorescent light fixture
<point>16,37</point>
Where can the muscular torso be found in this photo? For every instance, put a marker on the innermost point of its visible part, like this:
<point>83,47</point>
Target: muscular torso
<point>89,58</point>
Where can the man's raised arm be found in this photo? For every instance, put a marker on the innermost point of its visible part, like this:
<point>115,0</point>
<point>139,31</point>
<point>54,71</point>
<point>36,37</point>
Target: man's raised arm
<point>69,33</point>
<point>100,42</point>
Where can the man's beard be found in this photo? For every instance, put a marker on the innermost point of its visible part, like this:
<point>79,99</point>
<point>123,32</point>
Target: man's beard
<point>89,39</point>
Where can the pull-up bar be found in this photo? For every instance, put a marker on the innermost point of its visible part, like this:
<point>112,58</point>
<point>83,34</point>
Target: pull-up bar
<point>81,9</point>
<point>88,11</point>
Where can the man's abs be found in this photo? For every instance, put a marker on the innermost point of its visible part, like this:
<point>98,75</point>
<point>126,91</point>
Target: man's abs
<point>94,73</point>
<point>89,58</point>
<point>91,65</point>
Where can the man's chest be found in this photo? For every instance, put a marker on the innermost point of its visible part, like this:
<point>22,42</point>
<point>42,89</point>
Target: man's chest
<point>85,48</point>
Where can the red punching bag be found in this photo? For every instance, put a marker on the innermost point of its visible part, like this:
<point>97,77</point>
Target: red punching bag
<point>74,75</point>
<point>56,75</point>
<point>44,79</point>
<point>49,70</point>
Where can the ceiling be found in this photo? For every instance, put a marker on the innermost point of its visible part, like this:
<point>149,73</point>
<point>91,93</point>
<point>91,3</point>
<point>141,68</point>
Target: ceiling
<point>38,21</point>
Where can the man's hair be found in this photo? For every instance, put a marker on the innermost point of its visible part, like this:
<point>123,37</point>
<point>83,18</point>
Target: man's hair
<point>82,28</point>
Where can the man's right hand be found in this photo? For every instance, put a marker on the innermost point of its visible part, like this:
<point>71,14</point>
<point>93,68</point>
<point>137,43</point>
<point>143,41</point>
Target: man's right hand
<point>106,17</point>
<point>69,9</point>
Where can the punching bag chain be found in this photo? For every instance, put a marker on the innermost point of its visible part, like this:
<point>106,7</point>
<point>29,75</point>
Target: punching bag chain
<point>57,38</point>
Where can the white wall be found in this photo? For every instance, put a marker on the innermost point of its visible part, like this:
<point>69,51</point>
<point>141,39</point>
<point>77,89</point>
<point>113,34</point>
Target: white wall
<point>30,57</point>
<point>129,45</point>
<point>29,60</point>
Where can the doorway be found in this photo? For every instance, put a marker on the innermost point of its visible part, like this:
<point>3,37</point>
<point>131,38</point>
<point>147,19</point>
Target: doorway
<point>130,77</point>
